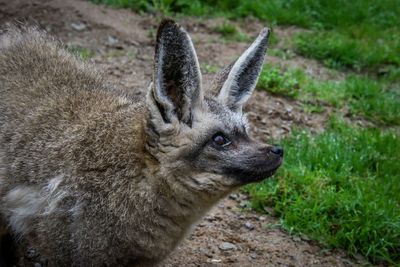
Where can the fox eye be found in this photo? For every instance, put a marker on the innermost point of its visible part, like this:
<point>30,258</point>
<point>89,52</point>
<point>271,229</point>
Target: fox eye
<point>220,139</point>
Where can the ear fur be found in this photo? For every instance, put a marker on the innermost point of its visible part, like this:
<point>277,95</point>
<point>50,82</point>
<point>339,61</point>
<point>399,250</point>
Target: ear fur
<point>219,80</point>
<point>243,75</point>
<point>177,79</point>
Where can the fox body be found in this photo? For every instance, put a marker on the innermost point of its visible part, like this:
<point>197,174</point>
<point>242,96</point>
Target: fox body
<point>91,177</point>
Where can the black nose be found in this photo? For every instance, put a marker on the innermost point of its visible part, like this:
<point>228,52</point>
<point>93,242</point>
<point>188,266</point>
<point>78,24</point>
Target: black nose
<point>277,150</point>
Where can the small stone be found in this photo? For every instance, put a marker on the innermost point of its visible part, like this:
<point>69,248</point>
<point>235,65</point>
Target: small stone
<point>262,218</point>
<point>305,238</point>
<point>243,204</point>
<point>245,197</point>
<point>111,40</point>
<point>203,251</point>
<point>226,246</point>
<point>289,109</point>
<point>78,26</point>
<point>249,225</point>
<point>234,196</point>
<point>296,238</point>
<point>37,264</point>
<point>253,256</point>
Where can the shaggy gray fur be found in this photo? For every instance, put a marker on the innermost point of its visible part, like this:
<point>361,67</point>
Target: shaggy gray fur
<point>89,177</point>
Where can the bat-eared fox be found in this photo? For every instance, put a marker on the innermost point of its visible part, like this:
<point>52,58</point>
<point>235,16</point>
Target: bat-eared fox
<point>92,177</point>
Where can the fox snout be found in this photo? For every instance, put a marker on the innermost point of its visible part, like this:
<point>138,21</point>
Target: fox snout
<point>255,163</point>
<point>277,149</point>
<point>274,158</point>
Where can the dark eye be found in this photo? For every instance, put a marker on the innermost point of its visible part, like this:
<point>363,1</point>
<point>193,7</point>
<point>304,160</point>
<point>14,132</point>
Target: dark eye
<point>220,140</point>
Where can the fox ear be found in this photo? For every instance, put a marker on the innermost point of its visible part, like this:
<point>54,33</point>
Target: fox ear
<point>242,77</point>
<point>176,90</point>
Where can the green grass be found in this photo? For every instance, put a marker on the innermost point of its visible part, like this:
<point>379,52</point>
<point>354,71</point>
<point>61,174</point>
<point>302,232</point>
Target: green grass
<point>231,33</point>
<point>338,50</point>
<point>372,100</point>
<point>209,69</point>
<point>281,82</point>
<point>82,52</point>
<point>340,187</point>
<point>358,34</point>
<point>282,53</point>
<point>378,101</point>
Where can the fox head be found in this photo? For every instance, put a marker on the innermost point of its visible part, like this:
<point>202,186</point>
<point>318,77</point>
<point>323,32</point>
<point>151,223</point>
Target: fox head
<point>192,131</point>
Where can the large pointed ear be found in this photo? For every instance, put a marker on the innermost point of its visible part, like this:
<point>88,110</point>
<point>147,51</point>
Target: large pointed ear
<point>176,90</point>
<point>241,78</point>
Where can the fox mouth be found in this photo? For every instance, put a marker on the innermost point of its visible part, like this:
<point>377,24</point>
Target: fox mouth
<point>258,177</point>
<point>255,174</point>
<point>270,172</point>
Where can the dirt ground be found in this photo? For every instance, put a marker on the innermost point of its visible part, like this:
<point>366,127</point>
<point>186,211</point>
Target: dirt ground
<point>122,44</point>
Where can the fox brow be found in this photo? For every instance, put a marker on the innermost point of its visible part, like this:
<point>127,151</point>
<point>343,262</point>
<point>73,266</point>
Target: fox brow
<point>238,127</point>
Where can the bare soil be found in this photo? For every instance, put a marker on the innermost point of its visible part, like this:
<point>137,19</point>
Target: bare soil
<point>122,43</point>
